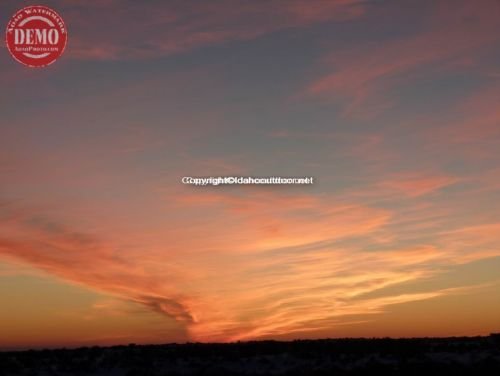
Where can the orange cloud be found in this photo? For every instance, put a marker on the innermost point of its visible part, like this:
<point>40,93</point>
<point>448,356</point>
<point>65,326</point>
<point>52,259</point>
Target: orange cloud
<point>240,265</point>
<point>268,220</point>
<point>470,243</point>
<point>236,263</point>
<point>81,259</point>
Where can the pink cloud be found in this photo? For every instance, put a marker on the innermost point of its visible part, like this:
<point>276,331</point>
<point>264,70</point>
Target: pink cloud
<point>112,32</point>
<point>479,116</point>
<point>360,78</point>
<point>414,185</point>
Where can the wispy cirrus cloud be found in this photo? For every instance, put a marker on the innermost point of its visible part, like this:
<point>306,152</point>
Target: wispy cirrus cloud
<point>472,122</point>
<point>253,265</point>
<point>363,77</point>
<point>263,219</point>
<point>415,185</point>
<point>96,176</point>
<point>115,30</point>
<point>82,259</point>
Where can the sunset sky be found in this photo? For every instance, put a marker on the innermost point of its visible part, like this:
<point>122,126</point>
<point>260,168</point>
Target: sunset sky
<point>393,106</point>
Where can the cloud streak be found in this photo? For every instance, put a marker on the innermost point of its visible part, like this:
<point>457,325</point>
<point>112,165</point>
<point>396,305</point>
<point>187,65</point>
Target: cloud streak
<point>255,271</point>
<point>362,78</point>
<point>177,26</point>
<point>92,175</point>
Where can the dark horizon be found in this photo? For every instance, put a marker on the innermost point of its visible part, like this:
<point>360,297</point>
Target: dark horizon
<point>491,335</point>
<point>362,356</point>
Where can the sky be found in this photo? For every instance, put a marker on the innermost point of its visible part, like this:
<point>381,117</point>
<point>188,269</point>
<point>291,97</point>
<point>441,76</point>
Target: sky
<point>391,105</point>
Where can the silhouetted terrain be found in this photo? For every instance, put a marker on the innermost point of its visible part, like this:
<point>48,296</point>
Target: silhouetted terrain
<point>421,356</point>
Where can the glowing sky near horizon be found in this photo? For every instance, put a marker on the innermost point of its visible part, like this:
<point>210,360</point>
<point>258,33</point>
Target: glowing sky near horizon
<point>393,107</point>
